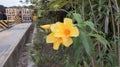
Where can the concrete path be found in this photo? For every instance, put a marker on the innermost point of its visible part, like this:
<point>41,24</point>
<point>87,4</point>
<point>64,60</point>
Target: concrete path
<point>9,40</point>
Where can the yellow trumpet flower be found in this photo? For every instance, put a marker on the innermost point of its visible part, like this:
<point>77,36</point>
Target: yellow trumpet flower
<point>46,27</point>
<point>57,41</point>
<point>66,29</point>
<point>62,33</point>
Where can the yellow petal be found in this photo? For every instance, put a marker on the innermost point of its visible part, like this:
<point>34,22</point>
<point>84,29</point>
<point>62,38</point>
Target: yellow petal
<point>50,38</point>
<point>55,27</point>
<point>56,44</point>
<point>74,32</point>
<point>45,26</point>
<point>67,42</point>
<point>68,22</point>
<point>58,29</point>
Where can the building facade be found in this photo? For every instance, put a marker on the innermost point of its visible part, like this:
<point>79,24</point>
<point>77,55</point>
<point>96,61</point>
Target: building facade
<point>26,15</point>
<point>19,14</point>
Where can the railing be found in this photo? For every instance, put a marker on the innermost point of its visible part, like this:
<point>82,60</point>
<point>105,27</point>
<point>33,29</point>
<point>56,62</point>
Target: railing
<point>4,24</point>
<point>11,42</point>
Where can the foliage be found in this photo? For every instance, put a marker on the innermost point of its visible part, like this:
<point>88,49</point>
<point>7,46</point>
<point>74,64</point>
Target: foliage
<point>2,8</point>
<point>99,26</point>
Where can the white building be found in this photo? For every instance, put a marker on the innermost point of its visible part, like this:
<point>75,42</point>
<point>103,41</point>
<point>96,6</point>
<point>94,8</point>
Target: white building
<point>13,13</point>
<point>26,15</point>
<point>23,14</point>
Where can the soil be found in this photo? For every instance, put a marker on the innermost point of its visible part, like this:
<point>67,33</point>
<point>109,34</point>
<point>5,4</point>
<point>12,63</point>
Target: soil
<point>24,56</point>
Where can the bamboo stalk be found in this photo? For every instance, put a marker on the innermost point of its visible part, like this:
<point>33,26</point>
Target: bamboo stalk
<point>99,49</point>
<point>106,22</point>
<point>118,29</point>
<point>92,12</point>
<point>117,47</point>
<point>92,58</point>
<point>118,10</point>
<point>83,10</point>
<point>72,5</point>
<point>113,22</point>
<point>93,62</point>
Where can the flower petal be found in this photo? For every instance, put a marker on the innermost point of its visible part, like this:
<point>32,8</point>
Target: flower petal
<point>70,26</point>
<point>56,44</point>
<point>68,22</point>
<point>55,27</point>
<point>58,29</point>
<point>50,38</point>
<point>67,42</point>
<point>45,26</point>
<point>74,32</point>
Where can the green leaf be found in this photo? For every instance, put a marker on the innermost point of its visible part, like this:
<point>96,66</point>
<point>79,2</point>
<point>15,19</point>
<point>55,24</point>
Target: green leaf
<point>78,54</point>
<point>39,13</point>
<point>119,41</point>
<point>76,42</point>
<point>94,5</point>
<point>78,50</point>
<point>55,3</point>
<point>77,17</point>
<point>91,25</point>
<point>118,1</point>
<point>85,64</point>
<point>87,43</point>
<point>101,39</point>
<point>63,4</point>
<point>69,65</point>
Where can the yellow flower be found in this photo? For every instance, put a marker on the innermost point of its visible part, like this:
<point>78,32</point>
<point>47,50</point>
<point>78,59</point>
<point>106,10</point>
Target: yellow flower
<point>57,41</point>
<point>66,29</point>
<point>62,33</point>
<point>45,26</point>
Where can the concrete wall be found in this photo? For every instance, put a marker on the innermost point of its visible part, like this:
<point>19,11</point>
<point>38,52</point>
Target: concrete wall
<point>10,56</point>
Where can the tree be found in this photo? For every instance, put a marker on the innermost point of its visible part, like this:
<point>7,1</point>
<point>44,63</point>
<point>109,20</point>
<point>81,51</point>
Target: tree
<point>2,8</point>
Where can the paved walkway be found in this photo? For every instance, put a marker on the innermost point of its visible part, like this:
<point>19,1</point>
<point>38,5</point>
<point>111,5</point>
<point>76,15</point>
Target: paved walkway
<point>10,38</point>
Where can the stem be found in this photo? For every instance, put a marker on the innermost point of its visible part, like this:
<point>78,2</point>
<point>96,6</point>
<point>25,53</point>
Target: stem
<point>63,10</point>
<point>99,50</point>
<point>72,5</point>
<point>114,32</point>
<point>119,54</point>
<point>92,58</point>
<point>113,23</point>
<point>118,29</point>
<point>93,61</point>
<point>92,12</point>
<point>83,10</point>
